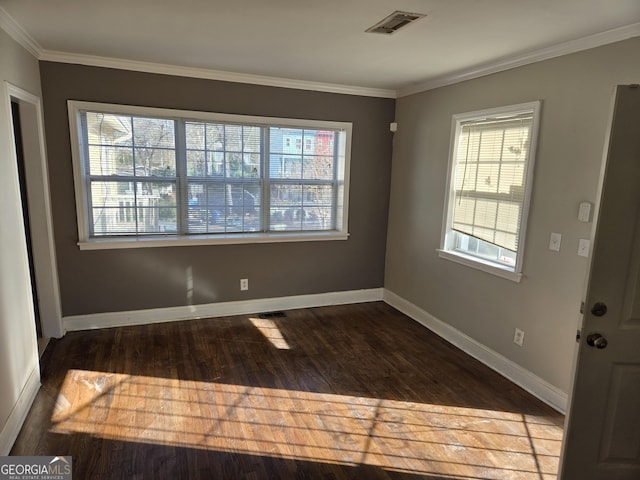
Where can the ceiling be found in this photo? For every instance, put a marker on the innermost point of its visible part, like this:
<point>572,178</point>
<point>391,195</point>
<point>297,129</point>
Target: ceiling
<point>318,43</point>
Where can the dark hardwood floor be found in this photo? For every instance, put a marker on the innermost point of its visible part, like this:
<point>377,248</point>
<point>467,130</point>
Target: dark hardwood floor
<point>357,391</point>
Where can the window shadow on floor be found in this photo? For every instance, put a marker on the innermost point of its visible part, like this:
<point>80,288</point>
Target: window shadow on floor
<point>105,459</point>
<point>360,388</point>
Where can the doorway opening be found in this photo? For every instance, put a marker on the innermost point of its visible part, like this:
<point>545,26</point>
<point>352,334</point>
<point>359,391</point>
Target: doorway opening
<point>30,157</point>
<point>22,177</point>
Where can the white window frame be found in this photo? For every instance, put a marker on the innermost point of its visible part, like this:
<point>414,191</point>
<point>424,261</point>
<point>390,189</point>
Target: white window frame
<point>87,242</point>
<point>448,249</point>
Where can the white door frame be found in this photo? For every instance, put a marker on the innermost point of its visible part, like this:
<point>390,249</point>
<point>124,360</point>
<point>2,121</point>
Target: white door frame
<point>38,197</point>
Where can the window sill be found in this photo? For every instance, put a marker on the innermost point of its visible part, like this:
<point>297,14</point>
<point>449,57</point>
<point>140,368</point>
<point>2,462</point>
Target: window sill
<point>195,240</point>
<point>479,264</point>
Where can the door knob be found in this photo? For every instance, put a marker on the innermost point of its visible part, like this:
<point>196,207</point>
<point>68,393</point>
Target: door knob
<point>597,340</point>
<point>599,309</point>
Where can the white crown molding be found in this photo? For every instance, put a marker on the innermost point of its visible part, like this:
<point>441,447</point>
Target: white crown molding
<point>566,48</point>
<point>192,72</point>
<point>522,377</point>
<point>19,34</point>
<point>9,25</point>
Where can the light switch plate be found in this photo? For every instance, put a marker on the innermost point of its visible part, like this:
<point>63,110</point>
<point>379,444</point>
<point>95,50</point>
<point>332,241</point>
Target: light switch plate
<point>583,247</point>
<point>584,212</point>
<point>554,242</point>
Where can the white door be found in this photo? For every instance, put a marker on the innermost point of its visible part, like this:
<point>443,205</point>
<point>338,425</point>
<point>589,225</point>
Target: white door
<point>602,440</point>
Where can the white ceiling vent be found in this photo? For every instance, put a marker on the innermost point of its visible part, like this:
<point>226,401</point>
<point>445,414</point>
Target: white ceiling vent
<point>394,22</point>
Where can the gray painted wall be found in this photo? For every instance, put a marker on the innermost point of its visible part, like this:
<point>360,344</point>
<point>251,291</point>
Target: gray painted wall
<point>120,280</point>
<point>18,350</point>
<point>576,91</point>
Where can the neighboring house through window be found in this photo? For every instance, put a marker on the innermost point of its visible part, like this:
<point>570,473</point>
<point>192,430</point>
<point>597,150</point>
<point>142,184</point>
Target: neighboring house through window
<point>147,176</point>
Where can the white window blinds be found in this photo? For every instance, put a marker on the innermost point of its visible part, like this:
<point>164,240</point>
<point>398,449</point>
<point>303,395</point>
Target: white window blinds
<point>490,174</point>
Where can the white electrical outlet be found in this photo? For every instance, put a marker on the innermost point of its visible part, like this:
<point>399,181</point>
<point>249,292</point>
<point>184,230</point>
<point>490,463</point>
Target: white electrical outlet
<point>244,284</point>
<point>554,242</point>
<point>518,337</point>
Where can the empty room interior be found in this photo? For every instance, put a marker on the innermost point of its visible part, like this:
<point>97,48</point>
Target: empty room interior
<point>334,240</point>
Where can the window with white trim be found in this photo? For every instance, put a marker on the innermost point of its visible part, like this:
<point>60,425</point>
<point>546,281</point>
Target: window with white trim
<point>181,176</point>
<point>490,174</point>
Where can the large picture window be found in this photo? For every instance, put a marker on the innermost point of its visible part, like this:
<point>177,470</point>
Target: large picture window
<point>490,173</point>
<point>147,176</point>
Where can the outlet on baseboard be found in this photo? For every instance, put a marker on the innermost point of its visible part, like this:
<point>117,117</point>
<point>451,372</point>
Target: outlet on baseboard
<point>244,284</point>
<point>518,337</point>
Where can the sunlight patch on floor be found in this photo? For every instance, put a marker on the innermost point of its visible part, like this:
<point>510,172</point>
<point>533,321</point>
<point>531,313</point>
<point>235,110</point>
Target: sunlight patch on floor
<point>271,332</point>
<point>401,436</point>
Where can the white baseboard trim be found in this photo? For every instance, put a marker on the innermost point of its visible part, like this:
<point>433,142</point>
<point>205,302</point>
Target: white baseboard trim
<point>533,384</point>
<point>12,427</point>
<point>507,368</point>
<point>159,315</point>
